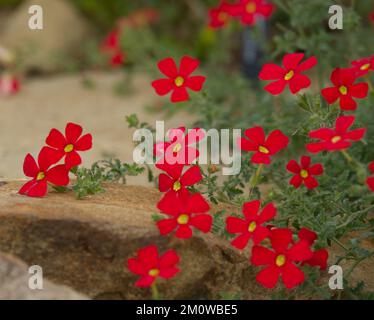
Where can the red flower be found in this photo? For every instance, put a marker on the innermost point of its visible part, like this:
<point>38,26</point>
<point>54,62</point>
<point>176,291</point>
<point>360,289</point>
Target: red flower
<point>41,173</point>
<point>345,89</point>
<point>338,138</point>
<point>363,66</point>
<point>370,180</point>
<point>8,85</point>
<point>251,225</point>
<point>69,144</point>
<point>281,261</point>
<point>250,10</point>
<point>185,213</point>
<point>304,173</point>
<point>220,15</point>
<point>372,17</point>
<point>149,266</point>
<point>290,74</point>
<point>263,148</point>
<point>174,182</point>
<point>180,80</point>
<point>320,256</point>
<point>177,149</point>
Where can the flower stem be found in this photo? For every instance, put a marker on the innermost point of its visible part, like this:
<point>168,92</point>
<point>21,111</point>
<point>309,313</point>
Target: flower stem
<point>347,156</point>
<point>254,179</point>
<point>155,293</point>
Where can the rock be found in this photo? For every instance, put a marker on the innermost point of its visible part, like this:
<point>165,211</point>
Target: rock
<point>14,278</point>
<point>42,50</point>
<point>85,245</point>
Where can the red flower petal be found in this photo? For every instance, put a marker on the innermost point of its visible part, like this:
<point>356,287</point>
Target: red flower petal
<point>48,157</point>
<point>316,147</point>
<point>163,86</point>
<point>195,83</point>
<point>267,213</point>
<point>136,267</point>
<point>166,226</point>
<point>293,167</point>
<point>191,176</point>
<point>203,222</point>
<point>241,241</point>
<point>370,183</point>
<point>58,175</point>
<point>168,67</point>
<point>84,143</point>
<point>168,259</point>
<point>316,169</point>
<point>164,182</point>
<point>268,277</point>
<point>183,232</point>
<point>292,276</point>
<point>34,188</point>
<point>250,209</point>
<point>260,158</point>
<point>148,256</point>
<point>262,256</point>
<point>56,139</point>
<point>296,181</point>
<point>311,182</point>
<point>271,71</point>
<point>280,239</point>
<point>236,225</point>
<point>30,168</point>
<point>330,94</point>
<point>307,64</point>
<point>72,159</point>
<point>319,259</point>
<point>276,141</point>
<point>255,134</point>
<point>343,123</point>
<point>72,132</point>
<point>300,251</point>
<point>188,65</point>
<point>291,60</point>
<point>145,281</point>
<point>371,167</point>
<point>276,87</point>
<point>308,235</point>
<point>196,204</point>
<point>260,234</point>
<point>347,103</point>
<point>359,90</point>
<point>179,95</point>
<point>298,82</point>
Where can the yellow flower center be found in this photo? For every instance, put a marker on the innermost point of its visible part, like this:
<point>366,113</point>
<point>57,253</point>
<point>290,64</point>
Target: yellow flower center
<point>336,139</point>
<point>280,260</point>
<point>365,67</point>
<point>154,272</point>
<point>289,75</point>
<point>304,174</point>
<point>251,7</point>
<point>69,148</point>
<point>183,219</point>
<point>223,17</point>
<point>263,150</point>
<point>40,176</point>
<point>179,81</point>
<point>177,148</point>
<point>252,226</point>
<point>177,186</point>
<point>343,90</point>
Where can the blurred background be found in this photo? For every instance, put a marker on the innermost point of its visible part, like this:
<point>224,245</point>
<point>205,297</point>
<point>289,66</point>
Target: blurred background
<point>74,70</point>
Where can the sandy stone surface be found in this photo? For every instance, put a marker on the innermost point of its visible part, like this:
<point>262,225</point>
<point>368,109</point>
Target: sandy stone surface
<point>50,102</point>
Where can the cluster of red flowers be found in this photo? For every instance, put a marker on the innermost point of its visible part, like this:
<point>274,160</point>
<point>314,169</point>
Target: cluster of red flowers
<point>185,211</point>
<point>46,169</point>
<point>111,45</point>
<point>286,255</point>
<point>246,11</point>
<point>339,138</point>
